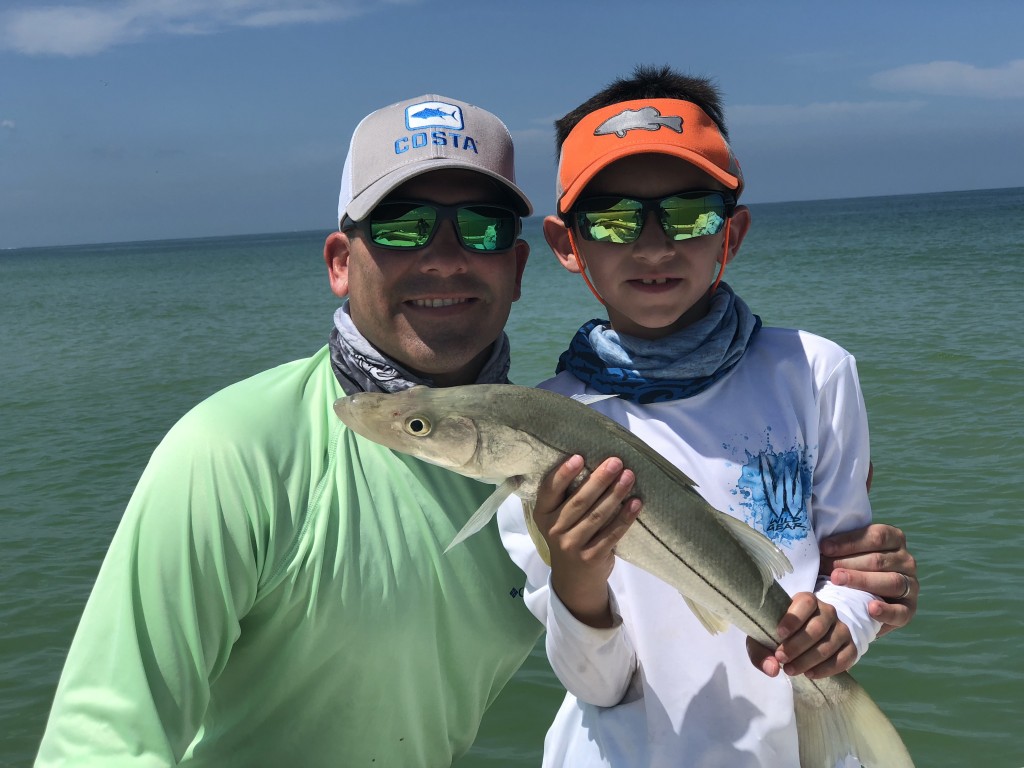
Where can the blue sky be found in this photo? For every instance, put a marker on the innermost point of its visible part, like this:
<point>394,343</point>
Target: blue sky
<point>149,119</point>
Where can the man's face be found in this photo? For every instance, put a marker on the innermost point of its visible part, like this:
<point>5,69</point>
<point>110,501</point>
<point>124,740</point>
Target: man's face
<point>438,309</point>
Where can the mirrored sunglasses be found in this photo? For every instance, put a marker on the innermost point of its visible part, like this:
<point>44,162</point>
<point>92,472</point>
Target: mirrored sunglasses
<point>618,219</point>
<point>407,224</point>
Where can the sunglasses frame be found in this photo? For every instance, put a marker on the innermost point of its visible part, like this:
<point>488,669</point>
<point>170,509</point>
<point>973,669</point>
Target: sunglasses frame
<point>647,205</point>
<point>442,213</point>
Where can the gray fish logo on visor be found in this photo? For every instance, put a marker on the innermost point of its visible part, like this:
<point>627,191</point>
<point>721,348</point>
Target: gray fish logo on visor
<point>646,119</point>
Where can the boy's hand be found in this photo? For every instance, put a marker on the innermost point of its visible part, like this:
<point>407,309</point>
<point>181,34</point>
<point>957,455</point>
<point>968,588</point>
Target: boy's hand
<point>582,530</point>
<point>814,642</point>
<point>875,559</point>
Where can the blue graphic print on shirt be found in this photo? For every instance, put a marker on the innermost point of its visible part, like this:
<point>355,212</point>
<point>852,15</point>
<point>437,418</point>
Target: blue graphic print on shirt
<point>775,488</point>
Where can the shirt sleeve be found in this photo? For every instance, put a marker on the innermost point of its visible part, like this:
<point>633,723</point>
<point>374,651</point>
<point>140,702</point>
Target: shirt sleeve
<point>840,497</point>
<point>595,665</point>
<point>181,572</point>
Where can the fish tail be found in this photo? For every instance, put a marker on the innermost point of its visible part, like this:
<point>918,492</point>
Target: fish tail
<point>836,718</point>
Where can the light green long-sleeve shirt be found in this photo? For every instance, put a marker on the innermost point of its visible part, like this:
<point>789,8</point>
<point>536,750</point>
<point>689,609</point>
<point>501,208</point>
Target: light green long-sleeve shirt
<point>276,594</point>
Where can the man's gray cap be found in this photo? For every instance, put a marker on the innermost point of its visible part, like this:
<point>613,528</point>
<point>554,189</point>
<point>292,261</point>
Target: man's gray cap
<point>416,136</point>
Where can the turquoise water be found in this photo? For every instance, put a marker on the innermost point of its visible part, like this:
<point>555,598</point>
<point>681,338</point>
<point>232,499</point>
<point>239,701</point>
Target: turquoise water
<point>106,346</point>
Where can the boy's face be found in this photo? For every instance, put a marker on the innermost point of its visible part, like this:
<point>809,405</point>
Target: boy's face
<point>655,285</point>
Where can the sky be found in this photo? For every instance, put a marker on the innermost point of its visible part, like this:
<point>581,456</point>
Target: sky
<point>126,120</point>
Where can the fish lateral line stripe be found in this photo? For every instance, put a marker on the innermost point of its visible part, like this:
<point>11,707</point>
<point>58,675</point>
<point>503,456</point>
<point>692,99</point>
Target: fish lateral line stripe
<point>770,633</point>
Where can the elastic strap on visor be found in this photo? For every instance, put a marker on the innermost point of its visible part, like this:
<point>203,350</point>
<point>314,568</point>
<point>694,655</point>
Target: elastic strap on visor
<point>725,257</point>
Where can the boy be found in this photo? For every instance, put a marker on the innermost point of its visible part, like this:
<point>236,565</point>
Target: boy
<point>769,422</point>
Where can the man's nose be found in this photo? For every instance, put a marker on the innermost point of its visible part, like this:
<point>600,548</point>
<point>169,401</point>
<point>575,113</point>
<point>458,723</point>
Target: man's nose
<point>444,255</point>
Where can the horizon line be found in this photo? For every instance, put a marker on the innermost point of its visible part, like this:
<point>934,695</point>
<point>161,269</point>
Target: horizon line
<point>328,230</point>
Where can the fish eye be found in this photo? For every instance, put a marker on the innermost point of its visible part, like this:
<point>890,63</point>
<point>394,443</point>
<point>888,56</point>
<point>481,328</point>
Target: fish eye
<point>417,426</point>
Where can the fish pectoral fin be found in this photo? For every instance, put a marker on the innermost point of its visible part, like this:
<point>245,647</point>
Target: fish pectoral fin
<point>535,534</point>
<point>712,622</point>
<point>771,561</point>
<point>486,511</point>
<point>589,399</point>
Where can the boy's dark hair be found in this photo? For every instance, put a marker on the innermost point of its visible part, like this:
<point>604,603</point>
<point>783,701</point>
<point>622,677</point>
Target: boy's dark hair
<point>648,82</point>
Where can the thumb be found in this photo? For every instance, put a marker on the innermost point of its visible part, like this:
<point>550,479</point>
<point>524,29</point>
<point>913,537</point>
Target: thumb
<point>763,658</point>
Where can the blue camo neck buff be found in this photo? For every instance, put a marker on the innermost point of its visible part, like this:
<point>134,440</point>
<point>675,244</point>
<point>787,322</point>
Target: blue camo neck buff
<point>677,366</point>
<point>361,367</point>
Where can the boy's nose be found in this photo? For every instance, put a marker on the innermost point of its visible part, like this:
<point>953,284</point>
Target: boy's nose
<point>654,244</point>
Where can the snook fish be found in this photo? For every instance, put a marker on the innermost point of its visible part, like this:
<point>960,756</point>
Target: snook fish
<point>513,436</point>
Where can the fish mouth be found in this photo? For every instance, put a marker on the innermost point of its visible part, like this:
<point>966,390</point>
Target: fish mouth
<point>361,414</point>
<point>344,411</point>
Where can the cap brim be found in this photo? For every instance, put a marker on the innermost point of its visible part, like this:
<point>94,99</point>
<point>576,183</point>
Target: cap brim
<point>369,198</point>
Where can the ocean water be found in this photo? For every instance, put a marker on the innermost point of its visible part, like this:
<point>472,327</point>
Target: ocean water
<point>106,346</point>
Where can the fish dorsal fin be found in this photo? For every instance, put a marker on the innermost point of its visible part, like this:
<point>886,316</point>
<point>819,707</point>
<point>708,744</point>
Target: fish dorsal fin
<point>712,622</point>
<point>771,561</point>
<point>486,511</point>
<point>535,534</point>
<point>589,399</point>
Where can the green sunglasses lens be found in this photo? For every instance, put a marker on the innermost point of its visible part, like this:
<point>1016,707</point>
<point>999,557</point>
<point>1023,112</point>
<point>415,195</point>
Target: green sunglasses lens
<point>486,228</point>
<point>402,225</point>
<point>621,219</point>
<point>411,225</point>
<point>611,220</point>
<point>683,217</point>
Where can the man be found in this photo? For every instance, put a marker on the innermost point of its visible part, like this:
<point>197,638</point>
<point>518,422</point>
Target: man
<point>276,591</point>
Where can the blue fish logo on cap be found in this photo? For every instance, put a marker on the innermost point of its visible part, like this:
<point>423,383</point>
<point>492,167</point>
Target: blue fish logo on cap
<point>429,114</point>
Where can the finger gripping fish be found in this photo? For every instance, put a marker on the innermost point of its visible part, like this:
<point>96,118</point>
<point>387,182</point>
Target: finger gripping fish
<point>514,436</point>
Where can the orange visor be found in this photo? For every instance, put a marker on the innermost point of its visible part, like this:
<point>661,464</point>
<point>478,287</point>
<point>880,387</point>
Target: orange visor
<point>665,126</point>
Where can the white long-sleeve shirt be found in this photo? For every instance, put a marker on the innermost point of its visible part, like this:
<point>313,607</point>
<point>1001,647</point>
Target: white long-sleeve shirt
<point>781,442</point>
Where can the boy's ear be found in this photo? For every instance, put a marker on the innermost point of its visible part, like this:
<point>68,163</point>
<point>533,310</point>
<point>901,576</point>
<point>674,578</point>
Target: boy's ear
<point>336,253</point>
<point>738,228</point>
<point>557,235</point>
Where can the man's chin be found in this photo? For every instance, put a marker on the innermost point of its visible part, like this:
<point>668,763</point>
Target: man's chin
<point>446,361</point>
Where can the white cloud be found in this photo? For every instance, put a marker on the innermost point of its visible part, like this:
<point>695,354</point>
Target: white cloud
<point>63,30</point>
<point>8,124</point>
<point>80,30</point>
<point>954,78</point>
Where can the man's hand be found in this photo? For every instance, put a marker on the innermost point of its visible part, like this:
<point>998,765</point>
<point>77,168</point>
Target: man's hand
<point>581,532</point>
<point>875,559</point>
<point>815,642</point>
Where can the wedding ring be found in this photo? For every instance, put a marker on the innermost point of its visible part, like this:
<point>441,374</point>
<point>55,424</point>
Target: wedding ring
<point>906,587</point>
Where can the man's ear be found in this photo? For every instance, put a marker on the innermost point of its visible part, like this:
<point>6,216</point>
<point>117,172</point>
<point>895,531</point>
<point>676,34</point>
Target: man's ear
<point>557,235</point>
<point>336,253</point>
<point>522,253</point>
